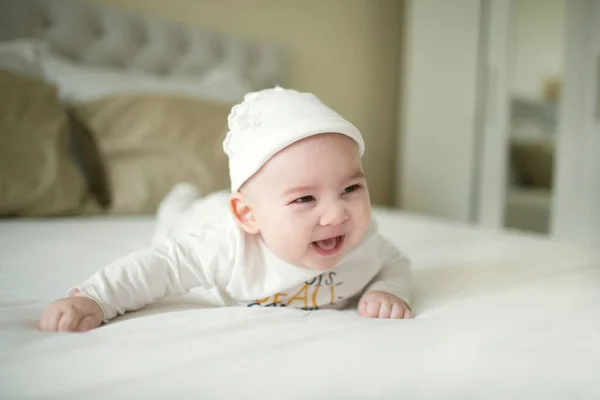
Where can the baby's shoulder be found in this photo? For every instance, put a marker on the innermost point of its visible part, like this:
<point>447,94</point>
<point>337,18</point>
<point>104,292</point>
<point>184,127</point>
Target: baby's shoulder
<point>219,234</point>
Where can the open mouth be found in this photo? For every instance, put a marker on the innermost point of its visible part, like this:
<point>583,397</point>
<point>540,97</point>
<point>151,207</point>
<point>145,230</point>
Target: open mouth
<point>328,247</point>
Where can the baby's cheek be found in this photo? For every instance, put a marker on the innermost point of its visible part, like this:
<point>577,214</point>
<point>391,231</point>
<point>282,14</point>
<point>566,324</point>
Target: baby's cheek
<point>287,241</point>
<point>361,218</point>
<point>290,232</point>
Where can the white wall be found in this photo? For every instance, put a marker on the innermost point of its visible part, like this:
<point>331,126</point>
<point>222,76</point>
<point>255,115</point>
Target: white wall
<point>439,102</point>
<point>576,200</point>
<point>539,29</point>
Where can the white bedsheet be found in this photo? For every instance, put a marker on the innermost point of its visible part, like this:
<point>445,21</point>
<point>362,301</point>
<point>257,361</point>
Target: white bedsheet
<point>499,316</point>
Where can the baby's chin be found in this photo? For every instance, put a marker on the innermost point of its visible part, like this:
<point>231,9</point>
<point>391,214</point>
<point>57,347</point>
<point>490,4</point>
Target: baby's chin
<point>322,267</point>
<point>320,263</point>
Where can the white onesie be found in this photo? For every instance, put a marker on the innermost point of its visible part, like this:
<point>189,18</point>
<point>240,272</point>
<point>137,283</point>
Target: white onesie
<point>242,270</point>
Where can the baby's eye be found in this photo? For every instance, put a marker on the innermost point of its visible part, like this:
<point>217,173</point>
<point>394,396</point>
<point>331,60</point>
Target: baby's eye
<point>352,188</point>
<point>305,199</point>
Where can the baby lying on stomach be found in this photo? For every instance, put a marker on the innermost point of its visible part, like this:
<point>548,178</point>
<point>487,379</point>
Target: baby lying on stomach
<point>300,232</point>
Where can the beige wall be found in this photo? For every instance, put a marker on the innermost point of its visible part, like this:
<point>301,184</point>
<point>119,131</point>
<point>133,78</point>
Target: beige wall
<point>345,51</point>
<point>539,32</point>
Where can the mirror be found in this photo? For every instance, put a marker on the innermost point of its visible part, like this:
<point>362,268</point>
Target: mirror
<point>537,45</point>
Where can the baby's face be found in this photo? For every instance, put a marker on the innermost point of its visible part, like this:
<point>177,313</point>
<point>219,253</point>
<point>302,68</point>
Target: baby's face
<point>310,201</point>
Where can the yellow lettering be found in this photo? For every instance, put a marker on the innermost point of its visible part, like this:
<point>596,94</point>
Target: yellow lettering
<point>314,295</point>
<point>297,296</point>
<point>277,296</point>
<point>332,290</point>
<point>263,300</point>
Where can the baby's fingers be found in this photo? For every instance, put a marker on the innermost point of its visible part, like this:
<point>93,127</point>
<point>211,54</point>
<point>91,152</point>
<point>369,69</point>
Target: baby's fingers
<point>385,309</point>
<point>69,320</point>
<point>49,321</point>
<point>398,312</point>
<point>372,308</point>
<point>88,323</point>
<point>368,308</point>
<point>362,308</point>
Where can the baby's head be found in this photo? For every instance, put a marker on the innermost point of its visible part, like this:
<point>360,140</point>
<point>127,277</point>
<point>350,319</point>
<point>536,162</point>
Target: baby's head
<point>296,177</point>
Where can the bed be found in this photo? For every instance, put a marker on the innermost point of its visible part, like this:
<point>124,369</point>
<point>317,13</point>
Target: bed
<point>498,314</point>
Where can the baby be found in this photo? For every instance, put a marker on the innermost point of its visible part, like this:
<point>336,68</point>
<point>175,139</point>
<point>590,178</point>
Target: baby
<point>300,232</point>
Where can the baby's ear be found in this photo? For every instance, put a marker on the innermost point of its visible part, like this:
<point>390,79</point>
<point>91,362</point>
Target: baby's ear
<point>242,212</point>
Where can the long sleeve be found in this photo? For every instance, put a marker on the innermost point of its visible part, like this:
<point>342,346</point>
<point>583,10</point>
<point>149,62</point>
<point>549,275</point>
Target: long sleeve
<point>170,268</point>
<point>395,274</point>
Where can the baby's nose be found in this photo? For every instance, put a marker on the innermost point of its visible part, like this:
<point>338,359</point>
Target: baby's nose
<point>334,215</point>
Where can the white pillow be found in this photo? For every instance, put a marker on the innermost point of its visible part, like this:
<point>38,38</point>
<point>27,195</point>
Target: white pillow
<point>77,82</point>
<point>22,57</point>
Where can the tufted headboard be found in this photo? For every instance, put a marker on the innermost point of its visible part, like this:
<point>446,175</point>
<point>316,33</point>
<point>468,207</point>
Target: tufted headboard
<point>123,51</point>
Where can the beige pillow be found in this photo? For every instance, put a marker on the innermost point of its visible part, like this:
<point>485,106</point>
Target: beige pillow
<point>150,142</point>
<point>38,176</point>
<point>87,154</point>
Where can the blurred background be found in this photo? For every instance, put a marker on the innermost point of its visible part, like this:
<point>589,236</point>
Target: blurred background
<point>469,108</point>
<point>346,52</point>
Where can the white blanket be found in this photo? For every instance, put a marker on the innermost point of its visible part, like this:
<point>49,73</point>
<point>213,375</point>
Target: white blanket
<point>499,316</point>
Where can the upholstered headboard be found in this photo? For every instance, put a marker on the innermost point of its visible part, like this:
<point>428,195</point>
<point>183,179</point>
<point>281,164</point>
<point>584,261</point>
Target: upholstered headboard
<point>100,60</point>
<point>143,51</point>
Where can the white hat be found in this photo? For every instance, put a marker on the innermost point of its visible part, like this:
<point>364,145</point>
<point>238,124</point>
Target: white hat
<point>269,120</point>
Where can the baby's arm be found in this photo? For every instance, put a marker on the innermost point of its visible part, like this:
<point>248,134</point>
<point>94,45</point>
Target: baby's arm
<point>388,294</point>
<point>129,283</point>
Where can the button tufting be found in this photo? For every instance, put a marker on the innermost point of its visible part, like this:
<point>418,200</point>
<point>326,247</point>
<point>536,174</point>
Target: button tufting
<point>44,21</point>
<point>98,30</point>
<point>182,44</point>
<point>141,38</point>
<point>106,37</point>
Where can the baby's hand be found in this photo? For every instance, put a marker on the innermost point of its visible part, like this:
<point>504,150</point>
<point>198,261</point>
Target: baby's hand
<point>71,314</point>
<point>383,305</point>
